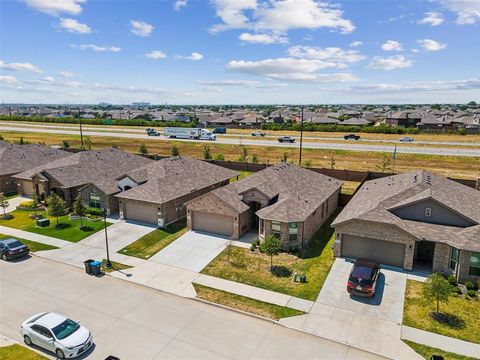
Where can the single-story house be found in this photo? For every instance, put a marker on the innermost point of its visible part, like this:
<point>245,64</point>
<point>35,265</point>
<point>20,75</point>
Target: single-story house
<point>417,221</point>
<point>16,158</point>
<point>92,173</point>
<point>285,200</point>
<point>157,192</point>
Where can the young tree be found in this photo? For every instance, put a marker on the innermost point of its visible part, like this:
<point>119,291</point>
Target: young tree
<point>56,206</point>
<point>3,203</point>
<point>143,149</point>
<point>244,155</point>
<point>271,246</point>
<point>220,157</point>
<point>87,143</point>
<point>175,151</point>
<point>207,155</point>
<point>385,163</point>
<point>35,202</point>
<point>65,144</point>
<point>332,160</point>
<point>79,209</point>
<point>284,157</point>
<point>21,141</point>
<point>254,159</point>
<point>308,163</point>
<point>438,289</point>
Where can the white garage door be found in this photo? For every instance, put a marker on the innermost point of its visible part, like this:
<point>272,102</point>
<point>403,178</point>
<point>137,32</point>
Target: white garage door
<point>27,188</point>
<point>212,223</point>
<point>385,252</point>
<point>140,211</point>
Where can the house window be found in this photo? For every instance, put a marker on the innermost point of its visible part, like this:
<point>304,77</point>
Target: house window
<point>428,212</point>
<point>276,228</point>
<point>474,264</point>
<point>292,231</point>
<point>95,201</point>
<point>454,258</point>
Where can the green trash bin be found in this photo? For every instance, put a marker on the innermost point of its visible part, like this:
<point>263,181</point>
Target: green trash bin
<point>43,222</point>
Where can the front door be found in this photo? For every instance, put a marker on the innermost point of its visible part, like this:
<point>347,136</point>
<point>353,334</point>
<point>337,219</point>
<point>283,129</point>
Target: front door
<point>424,252</point>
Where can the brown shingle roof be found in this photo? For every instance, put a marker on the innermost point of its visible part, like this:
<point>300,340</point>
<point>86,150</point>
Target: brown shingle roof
<point>376,198</point>
<point>170,178</point>
<point>17,158</point>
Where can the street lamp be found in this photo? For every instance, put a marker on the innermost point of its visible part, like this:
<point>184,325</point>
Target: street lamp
<point>108,264</point>
<point>301,139</point>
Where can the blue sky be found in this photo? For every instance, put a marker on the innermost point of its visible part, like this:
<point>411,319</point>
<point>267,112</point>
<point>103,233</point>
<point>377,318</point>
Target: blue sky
<point>239,51</point>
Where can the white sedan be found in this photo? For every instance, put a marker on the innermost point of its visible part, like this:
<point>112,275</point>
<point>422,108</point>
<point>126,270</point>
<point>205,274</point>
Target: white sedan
<point>58,334</point>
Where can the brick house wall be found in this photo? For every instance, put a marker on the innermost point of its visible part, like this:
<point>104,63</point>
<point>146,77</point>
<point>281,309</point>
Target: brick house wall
<point>463,267</point>
<point>106,201</point>
<point>441,258</point>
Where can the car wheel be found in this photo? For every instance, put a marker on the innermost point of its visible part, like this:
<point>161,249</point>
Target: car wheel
<point>4,257</point>
<point>60,354</point>
<point>27,340</point>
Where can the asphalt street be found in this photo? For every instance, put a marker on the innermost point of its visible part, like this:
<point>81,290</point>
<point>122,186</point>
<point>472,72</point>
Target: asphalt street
<point>136,322</point>
<point>347,145</point>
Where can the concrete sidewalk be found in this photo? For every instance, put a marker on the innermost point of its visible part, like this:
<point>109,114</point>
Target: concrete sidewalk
<point>27,235</point>
<point>14,202</point>
<point>441,342</point>
<point>254,292</point>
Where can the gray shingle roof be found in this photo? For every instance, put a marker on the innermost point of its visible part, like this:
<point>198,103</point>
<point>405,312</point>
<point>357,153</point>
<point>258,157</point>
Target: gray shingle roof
<point>172,177</point>
<point>376,198</point>
<point>17,158</point>
<point>300,192</point>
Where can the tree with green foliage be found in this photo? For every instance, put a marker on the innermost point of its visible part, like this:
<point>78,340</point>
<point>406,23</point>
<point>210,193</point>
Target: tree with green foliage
<point>65,144</point>
<point>143,149</point>
<point>207,155</point>
<point>79,209</point>
<point>244,155</point>
<point>87,143</point>
<point>175,151</point>
<point>56,206</point>
<point>3,203</point>
<point>271,246</point>
<point>254,159</point>
<point>385,164</point>
<point>220,157</point>
<point>284,157</point>
<point>35,202</point>
<point>438,289</point>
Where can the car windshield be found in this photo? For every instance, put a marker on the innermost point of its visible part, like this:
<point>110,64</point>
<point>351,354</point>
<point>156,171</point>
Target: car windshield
<point>14,244</point>
<point>65,329</point>
<point>362,275</point>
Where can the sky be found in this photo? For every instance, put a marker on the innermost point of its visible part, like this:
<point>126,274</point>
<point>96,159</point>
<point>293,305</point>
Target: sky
<point>239,51</point>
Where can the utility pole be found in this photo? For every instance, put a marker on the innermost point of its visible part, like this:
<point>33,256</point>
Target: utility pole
<point>301,139</point>
<point>80,122</point>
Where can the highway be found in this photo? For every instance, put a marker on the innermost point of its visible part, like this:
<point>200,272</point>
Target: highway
<point>248,140</point>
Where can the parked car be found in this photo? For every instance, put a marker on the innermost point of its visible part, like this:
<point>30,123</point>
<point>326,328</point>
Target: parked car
<point>258,133</point>
<point>351,137</point>
<point>287,139</point>
<point>12,248</point>
<point>58,334</point>
<point>406,139</point>
<point>363,278</point>
<point>152,132</point>
<point>219,130</point>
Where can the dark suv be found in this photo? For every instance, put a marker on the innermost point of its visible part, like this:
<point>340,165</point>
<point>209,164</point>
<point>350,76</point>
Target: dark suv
<point>12,248</point>
<point>363,278</point>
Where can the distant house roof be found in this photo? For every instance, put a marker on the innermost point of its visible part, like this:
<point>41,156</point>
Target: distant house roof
<point>17,158</point>
<point>295,192</point>
<point>374,200</point>
<point>224,120</point>
<point>99,167</point>
<point>356,121</point>
<point>322,120</point>
<point>172,177</point>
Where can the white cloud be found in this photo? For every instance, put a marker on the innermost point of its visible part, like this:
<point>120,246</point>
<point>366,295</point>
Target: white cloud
<point>141,28</point>
<point>66,74</point>
<point>194,56</point>
<point>20,67</point>
<point>179,4</point>
<point>279,15</point>
<point>48,79</point>
<point>96,47</point>
<point>432,18</point>
<point>430,86</point>
<point>240,82</point>
<point>334,55</point>
<point>290,69</point>
<point>390,63</point>
<point>468,11</point>
<point>356,43</point>
<point>431,45</point>
<point>156,55</point>
<point>56,7</point>
<point>73,26</point>
<point>8,79</point>
<point>267,39</point>
<point>392,45</point>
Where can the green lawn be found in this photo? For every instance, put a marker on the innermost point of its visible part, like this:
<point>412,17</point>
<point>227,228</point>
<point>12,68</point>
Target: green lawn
<point>68,230</point>
<point>153,242</point>
<point>427,352</point>
<point>253,268</point>
<point>33,245</point>
<point>17,351</point>
<point>463,314</point>
<point>243,303</point>
<point>116,266</point>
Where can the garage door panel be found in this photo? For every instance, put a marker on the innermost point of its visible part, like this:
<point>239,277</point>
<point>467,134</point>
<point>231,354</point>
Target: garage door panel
<point>143,212</point>
<point>212,223</point>
<point>27,188</point>
<point>384,252</point>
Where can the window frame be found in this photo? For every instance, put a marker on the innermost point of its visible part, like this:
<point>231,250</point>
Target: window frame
<point>290,233</point>
<point>476,266</point>
<point>428,212</point>
<point>275,232</point>
<point>452,259</point>
<point>92,202</point>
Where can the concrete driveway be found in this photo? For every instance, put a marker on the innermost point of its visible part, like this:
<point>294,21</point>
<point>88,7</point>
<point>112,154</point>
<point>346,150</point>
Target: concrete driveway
<point>135,322</point>
<point>192,251</point>
<point>370,324</point>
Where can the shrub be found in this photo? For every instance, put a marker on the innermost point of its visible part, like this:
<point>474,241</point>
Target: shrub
<point>471,293</point>
<point>27,204</point>
<point>94,211</point>
<point>220,157</point>
<point>452,280</point>
<point>470,285</point>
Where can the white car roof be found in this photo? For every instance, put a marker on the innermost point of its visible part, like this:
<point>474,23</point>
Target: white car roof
<point>50,320</point>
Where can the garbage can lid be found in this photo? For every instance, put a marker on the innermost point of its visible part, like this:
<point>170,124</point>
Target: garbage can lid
<point>95,263</point>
